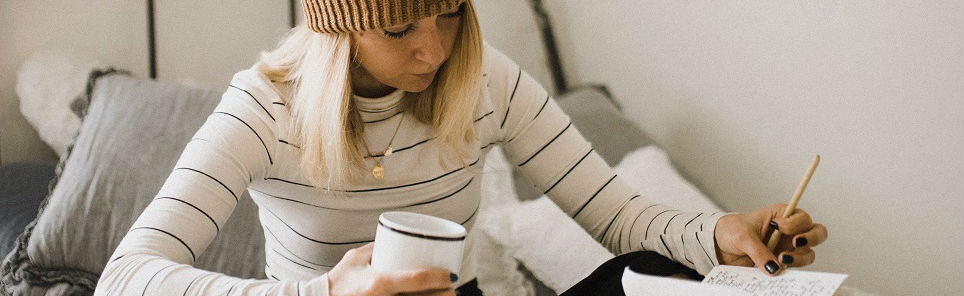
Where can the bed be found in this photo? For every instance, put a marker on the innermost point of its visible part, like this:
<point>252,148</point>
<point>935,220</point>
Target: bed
<point>61,221</point>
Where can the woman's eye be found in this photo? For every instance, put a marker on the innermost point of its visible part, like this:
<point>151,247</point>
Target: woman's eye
<point>398,34</point>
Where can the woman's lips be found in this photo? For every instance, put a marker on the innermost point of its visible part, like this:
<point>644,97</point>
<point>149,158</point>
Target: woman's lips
<point>426,75</point>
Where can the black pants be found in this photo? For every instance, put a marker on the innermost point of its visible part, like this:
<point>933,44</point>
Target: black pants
<point>607,278</point>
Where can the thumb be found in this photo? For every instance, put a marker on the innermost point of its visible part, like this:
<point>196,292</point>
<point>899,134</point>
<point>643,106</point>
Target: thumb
<point>762,257</point>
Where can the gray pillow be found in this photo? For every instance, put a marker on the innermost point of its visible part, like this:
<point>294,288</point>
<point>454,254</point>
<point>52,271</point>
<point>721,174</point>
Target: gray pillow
<point>612,135</point>
<point>133,132</point>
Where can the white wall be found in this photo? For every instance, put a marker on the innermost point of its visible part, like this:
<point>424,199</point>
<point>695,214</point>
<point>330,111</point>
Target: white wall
<point>743,93</point>
<point>206,42</point>
<point>110,31</point>
<point>201,43</point>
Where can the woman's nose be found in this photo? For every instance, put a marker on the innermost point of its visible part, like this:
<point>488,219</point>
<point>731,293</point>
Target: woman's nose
<point>430,49</point>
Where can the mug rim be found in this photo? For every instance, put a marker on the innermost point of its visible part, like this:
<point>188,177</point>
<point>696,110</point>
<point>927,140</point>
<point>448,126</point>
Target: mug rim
<point>400,222</point>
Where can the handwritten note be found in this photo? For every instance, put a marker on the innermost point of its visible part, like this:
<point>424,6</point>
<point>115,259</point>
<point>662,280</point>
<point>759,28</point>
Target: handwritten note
<point>735,281</point>
<point>752,281</point>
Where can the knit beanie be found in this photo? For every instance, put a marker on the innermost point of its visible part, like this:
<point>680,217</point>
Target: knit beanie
<point>338,16</point>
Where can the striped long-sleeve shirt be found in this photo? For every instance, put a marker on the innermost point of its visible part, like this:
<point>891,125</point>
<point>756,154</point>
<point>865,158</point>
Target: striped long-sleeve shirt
<point>245,145</point>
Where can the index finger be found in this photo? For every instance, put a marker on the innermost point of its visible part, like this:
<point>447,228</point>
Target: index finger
<point>798,222</point>
<point>415,280</point>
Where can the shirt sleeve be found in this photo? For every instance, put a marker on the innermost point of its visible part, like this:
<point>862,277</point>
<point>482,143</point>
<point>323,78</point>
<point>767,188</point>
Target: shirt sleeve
<point>540,139</point>
<point>156,256</point>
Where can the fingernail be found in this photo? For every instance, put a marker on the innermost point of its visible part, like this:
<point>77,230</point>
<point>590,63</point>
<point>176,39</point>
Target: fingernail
<point>772,267</point>
<point>773,224</point>
<point>800,242</point>
<point>787,259</point>
<point>453,277</point>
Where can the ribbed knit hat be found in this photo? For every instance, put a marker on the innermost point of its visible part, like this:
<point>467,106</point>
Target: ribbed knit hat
<point>335,16</point>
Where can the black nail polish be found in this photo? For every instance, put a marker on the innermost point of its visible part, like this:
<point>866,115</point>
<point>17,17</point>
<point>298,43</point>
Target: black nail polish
<point>772,267</point>
<point>453,277</point>
<point>800,242</point>
<point>787,259</point>
<point>773,224</point>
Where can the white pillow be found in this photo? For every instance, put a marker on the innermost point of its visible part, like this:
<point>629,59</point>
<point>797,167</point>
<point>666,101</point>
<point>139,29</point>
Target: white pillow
<point>562,257</point>
<point>47,83</point>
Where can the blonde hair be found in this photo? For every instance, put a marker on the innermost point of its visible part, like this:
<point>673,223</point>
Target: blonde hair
<point>314,71</point>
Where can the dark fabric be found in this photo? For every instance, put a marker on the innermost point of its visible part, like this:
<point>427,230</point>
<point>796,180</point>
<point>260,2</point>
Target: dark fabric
<point>607,279</point>
<point>22,187</point>
<point>469,289</point>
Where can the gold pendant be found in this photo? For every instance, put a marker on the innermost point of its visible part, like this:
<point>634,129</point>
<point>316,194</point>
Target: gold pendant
<point>378,171</point>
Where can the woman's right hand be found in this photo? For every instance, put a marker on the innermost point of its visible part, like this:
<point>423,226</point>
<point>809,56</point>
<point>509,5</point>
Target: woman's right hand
<point>354,275</point>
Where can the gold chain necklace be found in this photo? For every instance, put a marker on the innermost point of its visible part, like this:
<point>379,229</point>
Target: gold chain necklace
<point>379,171</point>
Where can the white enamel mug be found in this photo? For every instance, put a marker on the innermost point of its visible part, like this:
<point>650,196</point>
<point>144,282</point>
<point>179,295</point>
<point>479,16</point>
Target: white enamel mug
<point>406,241</point>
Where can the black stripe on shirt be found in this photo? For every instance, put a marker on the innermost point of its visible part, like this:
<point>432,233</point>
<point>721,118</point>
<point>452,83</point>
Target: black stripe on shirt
<point>416,183</point>
<point>196,208</point>
<point>231,289</point>
<point>278,103</point>
<point>593,196</point>
<point>639,215</point>
<point>567,172</point>
<point>618,212</point>
<point>255,100</point>
<point>212,178</point>
<point>547,144</point>
<point>486,146</point>
<point>155,275</point>
<point>191,283</point>
<point>115,259</point>
<point>289,182</point>
<point>253,131</point>
<point>403,148</point>
<point>670,220</point>
<point>446,196</point>
<point>485,115</point>
<point>291,200</point>
<point>509,104</point>
<point>691,220</point>
<point>702,247</point>
<point>289,144</point>
<point>667,247</point>
<point>540,109</point>
<point>683,241</point>
<point>174,236</point>
<point>471,216</point>
<point>383,119</point>
<point>311,239</point>
<point>646,236</point>
<point>293,261</point>
<point>268,229</point>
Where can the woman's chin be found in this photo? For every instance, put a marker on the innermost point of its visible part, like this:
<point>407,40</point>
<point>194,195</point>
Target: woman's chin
<point>416,87</point>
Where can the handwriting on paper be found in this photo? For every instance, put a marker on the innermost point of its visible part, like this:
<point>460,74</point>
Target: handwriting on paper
<point>752,281</point>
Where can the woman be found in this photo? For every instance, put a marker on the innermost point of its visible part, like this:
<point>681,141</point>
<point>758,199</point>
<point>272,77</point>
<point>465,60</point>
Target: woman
<point>393,106</point>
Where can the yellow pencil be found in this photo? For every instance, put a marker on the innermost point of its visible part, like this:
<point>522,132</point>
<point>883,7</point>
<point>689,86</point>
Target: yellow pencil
<point>775,237</point>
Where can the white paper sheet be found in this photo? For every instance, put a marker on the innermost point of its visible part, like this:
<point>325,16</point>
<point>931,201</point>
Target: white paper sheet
<point>637,284</point>
<point>734,281</point>
<point>752,281</point>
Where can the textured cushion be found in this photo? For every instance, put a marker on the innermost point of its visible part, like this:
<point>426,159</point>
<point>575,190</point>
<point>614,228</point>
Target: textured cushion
<point>47,82</point>
<point>611,133</point>
<point>128,143</point>
<point>22,187</point>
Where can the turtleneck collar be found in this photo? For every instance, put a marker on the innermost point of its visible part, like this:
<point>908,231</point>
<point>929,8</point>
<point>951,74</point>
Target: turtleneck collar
<point>374,109</point>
